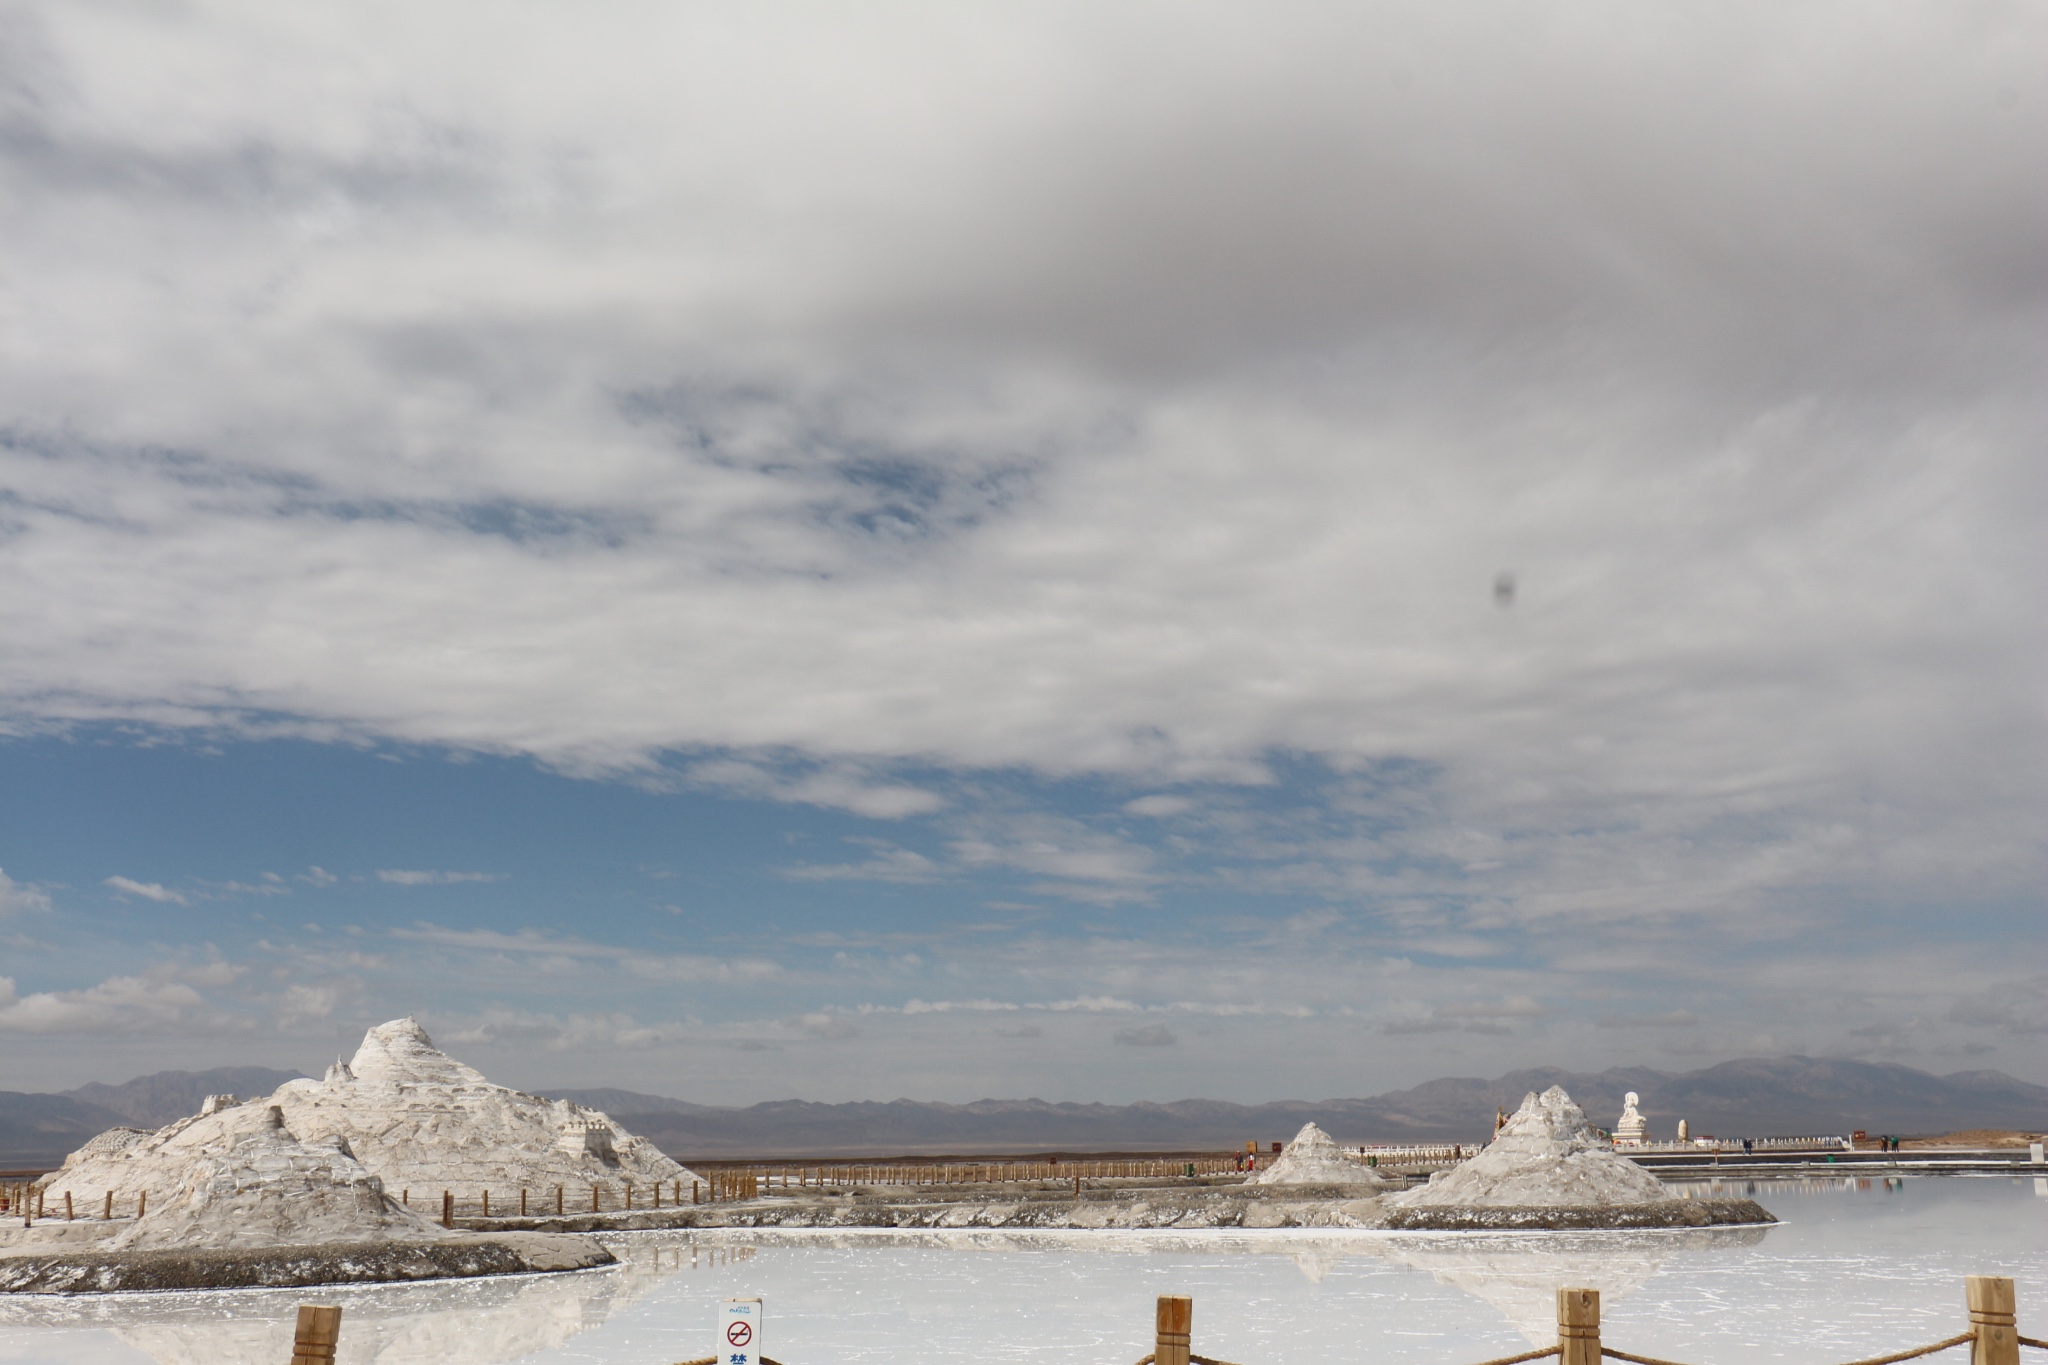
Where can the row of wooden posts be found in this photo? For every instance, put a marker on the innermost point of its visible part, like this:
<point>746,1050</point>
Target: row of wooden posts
<point>1993,1334</point>
<point>985,1172</point>
<point>665,1194</point>
<point>31,1203</point>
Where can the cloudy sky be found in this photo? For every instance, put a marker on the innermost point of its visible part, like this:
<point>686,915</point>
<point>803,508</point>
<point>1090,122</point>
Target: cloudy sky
<point>1099,551</point>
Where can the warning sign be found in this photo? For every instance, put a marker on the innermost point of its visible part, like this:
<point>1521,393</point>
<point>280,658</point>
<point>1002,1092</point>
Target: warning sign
<point>739,1325</point>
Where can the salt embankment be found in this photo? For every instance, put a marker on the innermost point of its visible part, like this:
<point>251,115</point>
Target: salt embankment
<point>1548,1168</point>
<point>1314,1158</point>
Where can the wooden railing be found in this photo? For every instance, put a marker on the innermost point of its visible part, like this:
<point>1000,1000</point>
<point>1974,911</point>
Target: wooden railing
<point>32,1203</point>
<point>1396,1156</point>
<point>1993,1332</point>
<point>775,1179</point>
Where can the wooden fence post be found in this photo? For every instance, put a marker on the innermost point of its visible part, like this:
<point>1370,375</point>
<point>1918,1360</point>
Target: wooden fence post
<point>447,1209</point>
<point>558,1201</point>
<point>142,1203</point>
<point>1173,1330</point>
<point>487,1203</point>
<point>1578,1327</point>
<point>319,1329</point>
<point>1992,1309</point>
<point>68,1215</point>
<point>522,1201</point>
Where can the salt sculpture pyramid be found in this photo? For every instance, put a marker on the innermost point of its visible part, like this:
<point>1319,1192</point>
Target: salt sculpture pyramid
<point>1313,1158</point>
<point>1546,1156</point>
<point>424,1122</point>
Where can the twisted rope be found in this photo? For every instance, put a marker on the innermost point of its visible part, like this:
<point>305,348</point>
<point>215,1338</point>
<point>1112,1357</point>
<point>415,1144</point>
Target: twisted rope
<point>1526,1355</point>
<point>1923,1351</point>
<point>1874,1360</point>
<point>1205,1360</point>
<point>2037,1345</point>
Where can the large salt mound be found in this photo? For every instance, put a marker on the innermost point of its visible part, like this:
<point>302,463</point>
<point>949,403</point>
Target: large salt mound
<point>233,1178</point>
<point>424,1122</point>
<point>1313,1158</point>
<point>1547,1156</point>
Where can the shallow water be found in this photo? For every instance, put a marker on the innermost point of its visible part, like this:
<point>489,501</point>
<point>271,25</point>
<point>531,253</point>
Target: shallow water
<point>1857,1268</point>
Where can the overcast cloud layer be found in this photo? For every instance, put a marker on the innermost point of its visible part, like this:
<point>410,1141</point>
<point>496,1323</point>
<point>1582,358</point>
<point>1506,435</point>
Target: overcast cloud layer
<point>1521,477</point>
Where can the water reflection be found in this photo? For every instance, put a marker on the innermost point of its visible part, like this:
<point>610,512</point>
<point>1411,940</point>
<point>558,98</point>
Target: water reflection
<point>1861,1266</point>
<point>1716,1188</point>
<point>1521,1275</point>
<point>447,1322</point>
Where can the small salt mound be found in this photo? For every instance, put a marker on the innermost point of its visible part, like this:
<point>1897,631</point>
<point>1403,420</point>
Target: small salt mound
<point>1546,1156</point>
<point>1313,1158</point>
<point>236,1178</point>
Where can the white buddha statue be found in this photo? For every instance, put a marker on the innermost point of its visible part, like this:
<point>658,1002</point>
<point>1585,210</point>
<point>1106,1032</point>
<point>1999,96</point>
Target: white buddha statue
<point>1628,1130</point>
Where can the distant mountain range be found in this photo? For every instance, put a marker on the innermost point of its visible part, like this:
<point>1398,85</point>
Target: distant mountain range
<point>1753,1097</point>
<point>39,1130</point>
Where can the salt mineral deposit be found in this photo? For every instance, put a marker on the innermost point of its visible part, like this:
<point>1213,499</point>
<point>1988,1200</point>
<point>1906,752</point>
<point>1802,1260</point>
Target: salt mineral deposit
<point>1547,1155</point>
<point>1314,1158</point>
<point>239,1178</point>
<point>405,1112</point>
<point>424,1122</point>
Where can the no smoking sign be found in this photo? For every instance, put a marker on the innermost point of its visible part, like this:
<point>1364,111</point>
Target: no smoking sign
<point>739,1322</point>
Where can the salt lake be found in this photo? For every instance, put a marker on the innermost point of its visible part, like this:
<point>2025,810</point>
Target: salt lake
<point>1856,1268</point>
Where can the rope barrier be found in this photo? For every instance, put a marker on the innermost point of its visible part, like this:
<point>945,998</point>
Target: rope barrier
<point>1874,1360</point>
<point>1526,1355</point>
<point>1923,1351</point>
<point>1607,1351</point>
<point>2029,1341</point>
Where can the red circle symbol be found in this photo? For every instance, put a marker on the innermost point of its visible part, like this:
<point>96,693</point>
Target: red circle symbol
<point>740,1333</point>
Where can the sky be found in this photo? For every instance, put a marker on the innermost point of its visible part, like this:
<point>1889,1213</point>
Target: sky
<point>1099,551</point>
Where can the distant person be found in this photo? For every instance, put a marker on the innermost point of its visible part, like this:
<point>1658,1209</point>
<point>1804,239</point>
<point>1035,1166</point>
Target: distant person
<point>1748,1147</point>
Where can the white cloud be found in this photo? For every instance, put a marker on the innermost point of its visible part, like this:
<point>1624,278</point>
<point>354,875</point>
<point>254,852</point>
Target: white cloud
<point>534,943</point>
<point>884,458</point>
<point>403,877</point>
<point>302,1004</point>
<point>1159,807</point>
<point>154,891</point>
<point>839,787</point>
<point>889,863</point>
<point>898,431</point>
<point>120,1004</point>
<point>17,899</point>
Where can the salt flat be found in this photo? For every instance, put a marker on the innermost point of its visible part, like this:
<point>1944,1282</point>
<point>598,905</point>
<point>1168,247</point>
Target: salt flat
<point>1857,1267</point>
